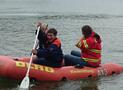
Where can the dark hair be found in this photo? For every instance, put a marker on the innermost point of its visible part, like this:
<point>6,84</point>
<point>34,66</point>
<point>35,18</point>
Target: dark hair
<point>98,39</point>
<point>86,30</point>
<point>52,30</point>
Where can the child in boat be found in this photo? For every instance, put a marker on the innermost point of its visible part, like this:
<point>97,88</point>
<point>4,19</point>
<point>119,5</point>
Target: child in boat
<point>49,52</point>
<point>90,46</point>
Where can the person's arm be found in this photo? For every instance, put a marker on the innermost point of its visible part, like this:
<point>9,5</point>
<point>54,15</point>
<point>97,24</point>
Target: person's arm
<point>79,43</point>
<point>87,43</point>
<point>42,34</point>
<point>45,52</point>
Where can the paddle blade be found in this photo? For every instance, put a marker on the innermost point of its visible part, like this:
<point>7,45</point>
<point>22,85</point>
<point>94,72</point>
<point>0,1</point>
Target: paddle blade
<point>25,83</point>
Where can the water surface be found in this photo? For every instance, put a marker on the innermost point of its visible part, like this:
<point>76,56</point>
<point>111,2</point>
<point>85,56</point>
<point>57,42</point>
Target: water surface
<point>18,20</point>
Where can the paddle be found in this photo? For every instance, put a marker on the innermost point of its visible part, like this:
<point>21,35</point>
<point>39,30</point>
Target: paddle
<point>25,82</point>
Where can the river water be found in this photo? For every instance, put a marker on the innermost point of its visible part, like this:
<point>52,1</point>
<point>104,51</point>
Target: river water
<point>18,20</point>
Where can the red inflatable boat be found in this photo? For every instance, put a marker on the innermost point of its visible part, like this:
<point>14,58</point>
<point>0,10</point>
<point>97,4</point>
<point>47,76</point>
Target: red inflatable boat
<point>16,69</point>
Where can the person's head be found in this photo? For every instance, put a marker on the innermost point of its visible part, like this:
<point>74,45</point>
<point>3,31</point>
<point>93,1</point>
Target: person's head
<point>86,31</point>
<point>43,26</point>
<point>51,34</point>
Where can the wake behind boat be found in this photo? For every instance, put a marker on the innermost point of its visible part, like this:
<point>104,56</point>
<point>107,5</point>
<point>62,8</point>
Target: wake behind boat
<point>16,69</point>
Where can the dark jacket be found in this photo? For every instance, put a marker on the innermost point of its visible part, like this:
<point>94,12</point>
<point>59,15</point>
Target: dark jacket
<point>50,51</point>
<point>42,39</point>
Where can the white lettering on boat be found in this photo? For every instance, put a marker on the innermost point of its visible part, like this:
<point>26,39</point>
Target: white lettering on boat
<point>34,66</point>
<point>102,71</point>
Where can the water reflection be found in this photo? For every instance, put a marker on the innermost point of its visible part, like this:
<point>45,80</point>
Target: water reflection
<point>84,84</point>
<point>7,84</point>
<point>90,84</point>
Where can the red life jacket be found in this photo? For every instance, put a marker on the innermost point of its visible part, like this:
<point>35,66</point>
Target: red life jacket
<point>56,41</point>
<point>90,50</point>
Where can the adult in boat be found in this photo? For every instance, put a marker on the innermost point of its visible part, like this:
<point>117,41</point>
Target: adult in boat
<point>90,46</point>
<point>49,52</point>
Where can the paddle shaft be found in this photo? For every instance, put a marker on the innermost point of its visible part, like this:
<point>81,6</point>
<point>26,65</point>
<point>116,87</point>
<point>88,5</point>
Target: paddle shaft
<point>27,74</point>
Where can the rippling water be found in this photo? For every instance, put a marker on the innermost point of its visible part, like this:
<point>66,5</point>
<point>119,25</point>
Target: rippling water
<point>18,23</point>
